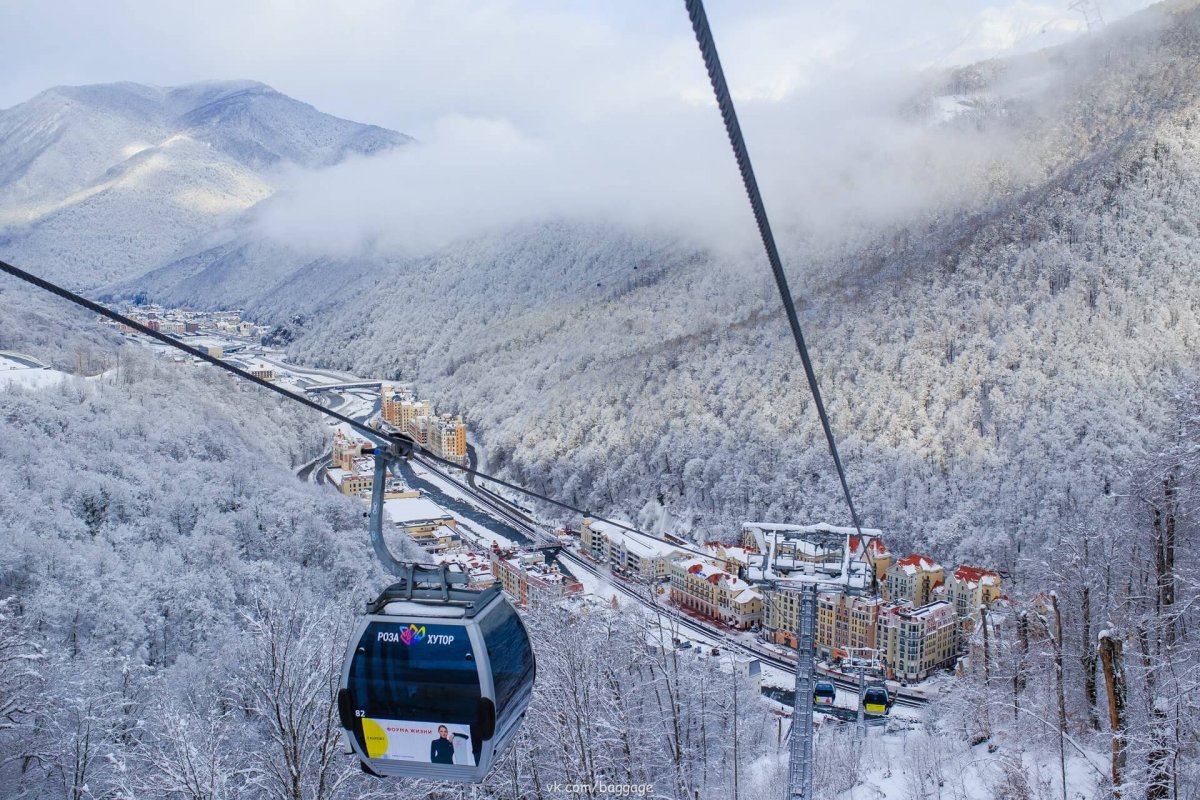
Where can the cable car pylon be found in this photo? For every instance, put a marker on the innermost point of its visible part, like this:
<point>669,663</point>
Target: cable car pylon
<point>385,453</point>
<point>860,724</point>
<point>800,763</point>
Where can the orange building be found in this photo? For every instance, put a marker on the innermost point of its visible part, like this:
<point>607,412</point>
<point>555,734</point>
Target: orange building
<point>529,580</point>
<point>970,588</point>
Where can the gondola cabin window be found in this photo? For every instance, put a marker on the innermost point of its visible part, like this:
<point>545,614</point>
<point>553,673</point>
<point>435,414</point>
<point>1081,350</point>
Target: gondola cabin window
<point>510,654</point>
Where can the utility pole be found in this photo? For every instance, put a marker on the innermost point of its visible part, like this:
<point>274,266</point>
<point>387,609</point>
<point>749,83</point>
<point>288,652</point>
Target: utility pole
<point>800,766</point>
<point>860,727</point>
<point>736,754</point>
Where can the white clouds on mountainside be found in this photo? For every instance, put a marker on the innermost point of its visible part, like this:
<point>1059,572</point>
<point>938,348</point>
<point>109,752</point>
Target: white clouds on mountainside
<point>529,111</point>
<point>861,167</point>
<point>836,141</point>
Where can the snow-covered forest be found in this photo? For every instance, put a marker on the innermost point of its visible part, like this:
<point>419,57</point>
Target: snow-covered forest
<point>176,603</point>
<point>153,539</point>
<point>1010,366</point>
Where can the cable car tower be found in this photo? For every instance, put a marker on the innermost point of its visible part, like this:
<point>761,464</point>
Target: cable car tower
<point>847,576</point>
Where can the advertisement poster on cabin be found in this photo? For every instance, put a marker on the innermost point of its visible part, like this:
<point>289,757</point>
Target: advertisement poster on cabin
<point>425,742</point>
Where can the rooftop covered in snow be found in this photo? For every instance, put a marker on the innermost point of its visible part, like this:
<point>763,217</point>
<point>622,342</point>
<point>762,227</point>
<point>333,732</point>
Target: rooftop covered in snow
<point>410,510</point>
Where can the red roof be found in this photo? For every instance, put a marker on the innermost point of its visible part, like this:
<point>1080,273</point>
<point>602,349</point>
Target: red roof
<point>975,574</point>
<point>874,545</point>
<point>915,560</point>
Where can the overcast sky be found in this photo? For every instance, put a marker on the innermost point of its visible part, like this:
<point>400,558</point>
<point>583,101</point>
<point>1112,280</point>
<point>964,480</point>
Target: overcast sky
<point>404,64</point>
<point>532,108</point>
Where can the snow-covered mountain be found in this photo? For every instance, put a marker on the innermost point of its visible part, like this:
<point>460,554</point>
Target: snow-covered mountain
<point>991,370</point>
<point>100,183</point>
<point>1012,376</point>
<point>967,356</point>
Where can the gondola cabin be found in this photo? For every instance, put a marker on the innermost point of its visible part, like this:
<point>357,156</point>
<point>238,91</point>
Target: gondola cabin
<point>877,700</point>
<point>436,680</point>
<point>824,694</point>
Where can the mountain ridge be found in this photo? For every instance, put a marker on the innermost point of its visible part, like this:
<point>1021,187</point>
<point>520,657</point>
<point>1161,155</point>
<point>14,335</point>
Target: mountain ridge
<point>956,352</point>
<point>111,180</point>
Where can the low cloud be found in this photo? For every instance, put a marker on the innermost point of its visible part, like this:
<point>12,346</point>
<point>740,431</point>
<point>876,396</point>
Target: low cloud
<point>633,137</point>
<point>470,176</point>
<point>538,109</point>
<point>831,160</point>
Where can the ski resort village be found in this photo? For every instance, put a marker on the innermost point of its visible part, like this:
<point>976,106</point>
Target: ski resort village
<point>911,618</point>
<point>697,400</point>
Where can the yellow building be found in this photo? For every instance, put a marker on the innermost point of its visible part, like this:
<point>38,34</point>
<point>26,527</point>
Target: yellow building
<point>913,578</point>
<point>410,410</point>
<point>356,484</point>
<point>913,642</point>
<point>847,625</point>
<point>970,588</point>
<point>346,449</point>
<point>448,437</point>
<point>701,585</point>
<point>781,614</point>
<point>389,404</point>
<point>398,406</point>
<point>594,538</point>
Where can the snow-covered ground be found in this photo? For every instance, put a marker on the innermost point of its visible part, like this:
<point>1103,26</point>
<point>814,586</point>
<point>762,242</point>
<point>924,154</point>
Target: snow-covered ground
<point>596,586</point>
<point>922,763</point>
<point>19,370</point>
<point>481,535</point>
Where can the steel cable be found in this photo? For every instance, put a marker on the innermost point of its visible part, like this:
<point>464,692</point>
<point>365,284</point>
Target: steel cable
<point>708,49</point>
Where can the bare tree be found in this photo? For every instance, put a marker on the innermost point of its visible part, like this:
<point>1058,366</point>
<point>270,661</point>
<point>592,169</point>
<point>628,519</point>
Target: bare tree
<point>1113,662</point>
<point>190,755</point>
<point>292,673</point>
